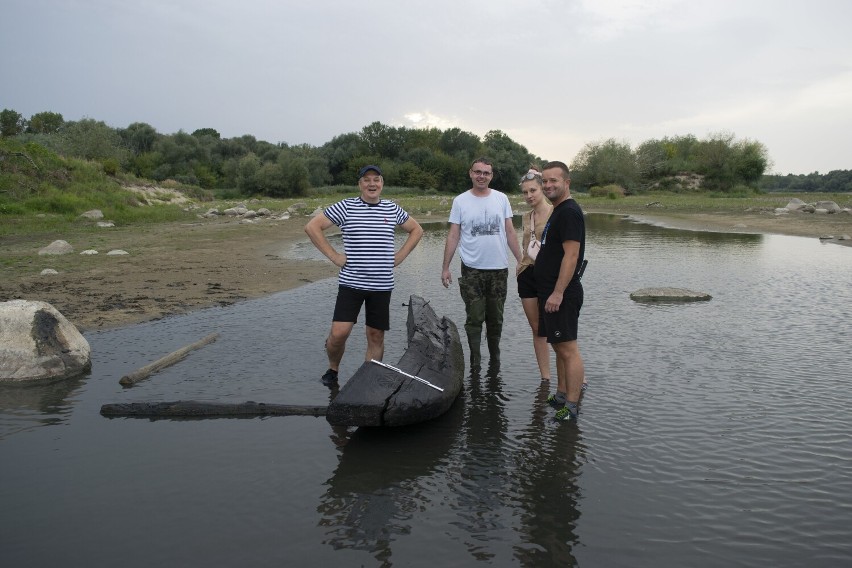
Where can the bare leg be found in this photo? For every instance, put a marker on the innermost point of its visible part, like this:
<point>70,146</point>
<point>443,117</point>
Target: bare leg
<point>542,353</point>
<point>335,344</point>
<point>570,369</point>
<point>375,343</point>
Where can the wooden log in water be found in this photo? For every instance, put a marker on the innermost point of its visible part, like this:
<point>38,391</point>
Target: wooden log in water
<point>195,409</point>
<point>170,359</point>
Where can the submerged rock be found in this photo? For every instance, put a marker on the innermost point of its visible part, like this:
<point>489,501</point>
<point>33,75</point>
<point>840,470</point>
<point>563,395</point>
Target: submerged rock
<point>669,295</point>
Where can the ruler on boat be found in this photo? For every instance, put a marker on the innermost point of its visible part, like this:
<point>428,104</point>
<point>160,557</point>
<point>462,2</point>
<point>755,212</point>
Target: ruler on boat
<point>401,372</point>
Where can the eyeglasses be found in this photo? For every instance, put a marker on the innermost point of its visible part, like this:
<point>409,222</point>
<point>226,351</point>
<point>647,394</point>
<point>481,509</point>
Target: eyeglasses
<point>529,176</point>
<point>481,173</point>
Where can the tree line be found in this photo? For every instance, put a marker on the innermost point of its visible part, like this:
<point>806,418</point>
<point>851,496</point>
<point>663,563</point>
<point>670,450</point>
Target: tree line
<point>835,181</point>
<point>428,159</point>
<point>422,158</point>
<point>723,162</point>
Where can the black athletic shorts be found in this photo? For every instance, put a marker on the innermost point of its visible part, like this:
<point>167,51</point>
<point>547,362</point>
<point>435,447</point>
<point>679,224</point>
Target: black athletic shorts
<point>561,325</point>
<point>376,306</point>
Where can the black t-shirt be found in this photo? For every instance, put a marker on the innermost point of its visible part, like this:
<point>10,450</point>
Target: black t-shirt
<point>566,223</point>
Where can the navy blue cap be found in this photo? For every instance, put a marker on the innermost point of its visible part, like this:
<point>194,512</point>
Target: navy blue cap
<point>366,169</point>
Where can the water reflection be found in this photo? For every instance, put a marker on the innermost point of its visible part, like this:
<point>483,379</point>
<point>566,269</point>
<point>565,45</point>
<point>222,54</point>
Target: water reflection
<point>546,471</point>
<point>712,434</point>
<point>377,487</point>
<point>23,407</point>
<point>482,515</point>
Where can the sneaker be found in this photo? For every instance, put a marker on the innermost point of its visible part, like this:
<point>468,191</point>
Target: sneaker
<point>553,402</point>
<point>329,378</point>
<point>565,414</point>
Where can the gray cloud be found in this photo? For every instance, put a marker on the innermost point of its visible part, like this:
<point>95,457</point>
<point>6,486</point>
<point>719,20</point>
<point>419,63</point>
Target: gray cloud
<point>554,75</point>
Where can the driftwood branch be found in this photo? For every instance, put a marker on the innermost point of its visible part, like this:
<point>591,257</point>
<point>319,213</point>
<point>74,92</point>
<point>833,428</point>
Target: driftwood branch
<point>21,155</point>
<point>170,359</point>
<point>194,409</point>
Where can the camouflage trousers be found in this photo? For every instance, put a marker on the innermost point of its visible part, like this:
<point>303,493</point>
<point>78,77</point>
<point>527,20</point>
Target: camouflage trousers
<point>484,295</point>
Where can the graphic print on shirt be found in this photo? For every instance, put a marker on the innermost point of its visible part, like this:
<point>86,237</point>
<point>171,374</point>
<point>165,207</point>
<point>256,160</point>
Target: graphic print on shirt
<point>486,226</point>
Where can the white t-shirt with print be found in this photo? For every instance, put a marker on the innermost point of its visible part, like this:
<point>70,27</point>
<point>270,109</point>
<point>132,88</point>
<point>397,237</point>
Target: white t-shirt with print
<point>482,221</point>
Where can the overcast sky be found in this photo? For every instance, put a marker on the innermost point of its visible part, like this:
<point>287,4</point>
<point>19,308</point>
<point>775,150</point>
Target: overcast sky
<point>553,75</point>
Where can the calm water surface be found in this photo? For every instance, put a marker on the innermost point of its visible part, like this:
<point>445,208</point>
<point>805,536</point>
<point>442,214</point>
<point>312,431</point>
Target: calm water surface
<point>713,434</point>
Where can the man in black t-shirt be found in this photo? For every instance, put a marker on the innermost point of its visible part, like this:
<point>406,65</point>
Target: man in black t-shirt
<point>557,269</point>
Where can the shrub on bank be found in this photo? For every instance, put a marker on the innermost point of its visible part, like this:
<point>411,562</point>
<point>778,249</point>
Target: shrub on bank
<point>611,191</point>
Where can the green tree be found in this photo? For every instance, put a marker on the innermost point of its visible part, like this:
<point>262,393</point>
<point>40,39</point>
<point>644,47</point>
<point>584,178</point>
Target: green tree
<point>144,165</point>
<point>92,140</point>
<point>269,180</point>
<point>139,137</point>
<point>413,138</point>
<point>339,152</point>
<point>681,153</point>
<point>652,160</point>
<point>230,171</point>
<point>382,140</point>
<point>750,161</point>
<point>45,123</point>
<point>511,160</point>
<point>715,161</point>
<point>449,174</point>
<point>212,132</point>
<point>604,163</point>
<point>11,123</point>
<point>460,145</point>
<point>294,173</point>
<point>315,162</point>
<point>247,182</point>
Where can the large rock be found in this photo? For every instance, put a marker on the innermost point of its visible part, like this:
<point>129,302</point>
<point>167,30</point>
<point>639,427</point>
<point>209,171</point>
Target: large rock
<point>56,247</point>
<point>828,206</point>
<point>796,204</point>
<point>37,343</point>
<point>93,214</point>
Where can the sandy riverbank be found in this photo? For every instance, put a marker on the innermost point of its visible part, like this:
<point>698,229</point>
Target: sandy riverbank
<point>175,268</point>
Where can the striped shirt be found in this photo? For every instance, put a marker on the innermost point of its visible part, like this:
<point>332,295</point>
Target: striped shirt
<point>368,241</point>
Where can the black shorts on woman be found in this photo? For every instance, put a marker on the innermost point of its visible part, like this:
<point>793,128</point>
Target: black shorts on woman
<point>526,283</point>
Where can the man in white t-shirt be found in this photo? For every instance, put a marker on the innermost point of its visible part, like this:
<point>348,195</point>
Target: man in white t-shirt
<point>482,231</point>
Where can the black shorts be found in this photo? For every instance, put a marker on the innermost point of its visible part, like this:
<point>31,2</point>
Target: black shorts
<point>561,325</point>
<point>526,283</point>
<point>376,306</point>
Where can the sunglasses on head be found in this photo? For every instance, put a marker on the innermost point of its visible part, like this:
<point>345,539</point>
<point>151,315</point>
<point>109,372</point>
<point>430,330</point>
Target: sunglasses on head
<point>530,175</point>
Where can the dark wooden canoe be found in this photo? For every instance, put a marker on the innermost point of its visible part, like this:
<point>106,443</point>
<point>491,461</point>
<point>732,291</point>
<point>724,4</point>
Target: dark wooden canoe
<point>378,396</point>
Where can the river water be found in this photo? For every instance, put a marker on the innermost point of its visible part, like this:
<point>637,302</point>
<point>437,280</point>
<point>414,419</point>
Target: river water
<point>713,434</point>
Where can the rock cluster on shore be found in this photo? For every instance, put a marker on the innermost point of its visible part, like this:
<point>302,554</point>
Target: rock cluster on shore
<point>242,212</point>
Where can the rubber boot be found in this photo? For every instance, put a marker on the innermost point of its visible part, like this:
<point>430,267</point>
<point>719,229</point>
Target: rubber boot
<point>494,323</point>
<point>473,344</point>
<point>494,348</point>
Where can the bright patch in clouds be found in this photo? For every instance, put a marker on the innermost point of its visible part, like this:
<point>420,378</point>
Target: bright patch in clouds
<point>428,120</point>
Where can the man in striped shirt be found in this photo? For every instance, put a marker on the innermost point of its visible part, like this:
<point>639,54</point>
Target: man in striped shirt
<point>366,264</point>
